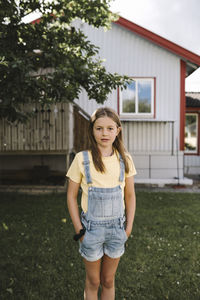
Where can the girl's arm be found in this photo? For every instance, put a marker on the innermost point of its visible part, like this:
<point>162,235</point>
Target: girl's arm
<point>72,204</point>
<point>130,203</point>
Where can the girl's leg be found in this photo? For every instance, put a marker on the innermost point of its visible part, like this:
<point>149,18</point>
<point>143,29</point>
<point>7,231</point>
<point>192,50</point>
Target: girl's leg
<point>108,270</point>
<point>92,279</point>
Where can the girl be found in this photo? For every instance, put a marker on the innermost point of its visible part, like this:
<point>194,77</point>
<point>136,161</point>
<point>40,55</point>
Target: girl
<point>105,174</point>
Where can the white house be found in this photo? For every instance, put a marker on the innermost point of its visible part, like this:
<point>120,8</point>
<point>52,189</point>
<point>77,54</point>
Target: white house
<point>152,109</point>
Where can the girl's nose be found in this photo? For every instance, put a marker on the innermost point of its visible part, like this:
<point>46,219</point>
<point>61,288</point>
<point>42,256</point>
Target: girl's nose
<point>104,132</point>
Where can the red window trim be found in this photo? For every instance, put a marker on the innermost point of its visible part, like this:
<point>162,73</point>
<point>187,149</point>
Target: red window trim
<point>195,110</point>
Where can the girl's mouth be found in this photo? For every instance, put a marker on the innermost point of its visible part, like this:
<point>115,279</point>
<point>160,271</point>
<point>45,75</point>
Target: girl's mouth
<point>104,140</point>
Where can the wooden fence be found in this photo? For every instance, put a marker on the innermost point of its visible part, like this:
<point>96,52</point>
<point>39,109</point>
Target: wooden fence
<point>81,124</point>
<point>46,131</point>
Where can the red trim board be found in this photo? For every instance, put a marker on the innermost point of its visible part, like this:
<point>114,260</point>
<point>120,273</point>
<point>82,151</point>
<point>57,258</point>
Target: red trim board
<point>182,103</point>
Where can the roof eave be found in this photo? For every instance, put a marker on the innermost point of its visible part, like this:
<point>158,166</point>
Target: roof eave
<point>192,59</point>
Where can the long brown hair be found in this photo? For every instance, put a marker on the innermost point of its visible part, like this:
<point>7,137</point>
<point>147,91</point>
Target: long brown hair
<point>117,145</point>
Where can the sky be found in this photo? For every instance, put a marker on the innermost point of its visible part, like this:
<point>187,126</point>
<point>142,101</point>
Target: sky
<point>175,20</point>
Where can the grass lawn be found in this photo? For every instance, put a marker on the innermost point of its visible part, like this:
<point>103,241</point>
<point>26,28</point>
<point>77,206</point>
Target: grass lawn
<point>40,261</point>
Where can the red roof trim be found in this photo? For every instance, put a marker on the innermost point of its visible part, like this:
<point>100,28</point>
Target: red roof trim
<point>172,47</point>
<point>182,103</point>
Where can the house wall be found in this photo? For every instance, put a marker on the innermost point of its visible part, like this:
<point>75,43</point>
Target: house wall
<point>129,54</point>
<point>149,141</point>
<point>156,136</point>
<point>158,165</point>
<point>192,164</point>
<point>156,155</point>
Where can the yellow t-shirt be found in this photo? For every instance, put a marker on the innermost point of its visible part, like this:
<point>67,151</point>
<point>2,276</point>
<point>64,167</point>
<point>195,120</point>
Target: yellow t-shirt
<point>109,179</point>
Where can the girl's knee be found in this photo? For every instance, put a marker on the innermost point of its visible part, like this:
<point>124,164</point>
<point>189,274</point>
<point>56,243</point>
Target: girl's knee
<point>107,282</point>
<point>92,283</point>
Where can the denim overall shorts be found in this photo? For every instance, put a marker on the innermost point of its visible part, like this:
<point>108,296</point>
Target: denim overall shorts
<point>104,219</point>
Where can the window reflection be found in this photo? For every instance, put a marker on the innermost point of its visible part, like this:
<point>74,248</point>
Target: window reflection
<point>144,96</point>
<point>138,98</point>
<point>191,133</point>
<point>129,98</point>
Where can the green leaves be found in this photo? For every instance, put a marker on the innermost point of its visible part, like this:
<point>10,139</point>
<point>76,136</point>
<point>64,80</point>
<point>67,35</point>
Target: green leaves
<point>51,60</point>
<point>5,226</point>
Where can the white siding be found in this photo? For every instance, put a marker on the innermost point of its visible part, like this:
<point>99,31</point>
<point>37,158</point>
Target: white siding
<point>129,54</point>
<point>149,137</point>
<point>192,164</point>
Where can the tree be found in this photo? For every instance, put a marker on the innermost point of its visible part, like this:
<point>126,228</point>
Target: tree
<point>50,60</point>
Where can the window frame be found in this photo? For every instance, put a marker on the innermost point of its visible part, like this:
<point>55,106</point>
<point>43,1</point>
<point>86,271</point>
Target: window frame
<point>194,152</point>
<point>137,114</point>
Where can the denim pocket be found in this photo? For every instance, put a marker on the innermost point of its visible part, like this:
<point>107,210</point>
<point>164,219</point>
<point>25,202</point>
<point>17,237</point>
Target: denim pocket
<point>120,235</point>
<point>126,237</point>
<point>105,205</point>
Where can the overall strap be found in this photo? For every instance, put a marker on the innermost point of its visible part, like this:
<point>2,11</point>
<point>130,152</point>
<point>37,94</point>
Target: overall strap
<point>86,164</point>
<point>122,168</point>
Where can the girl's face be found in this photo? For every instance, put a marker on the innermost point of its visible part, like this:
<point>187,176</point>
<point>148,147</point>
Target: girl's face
<point>105,131</point>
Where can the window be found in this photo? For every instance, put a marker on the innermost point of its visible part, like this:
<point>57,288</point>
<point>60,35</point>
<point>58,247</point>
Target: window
<point>138,98</point>
<point>191,133</point>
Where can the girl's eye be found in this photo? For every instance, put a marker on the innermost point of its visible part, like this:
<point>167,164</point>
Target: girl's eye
<point>110,128</point>
<point>98,128</point>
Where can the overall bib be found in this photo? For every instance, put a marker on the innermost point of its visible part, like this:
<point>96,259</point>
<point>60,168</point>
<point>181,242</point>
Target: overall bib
<point>104,219</point>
